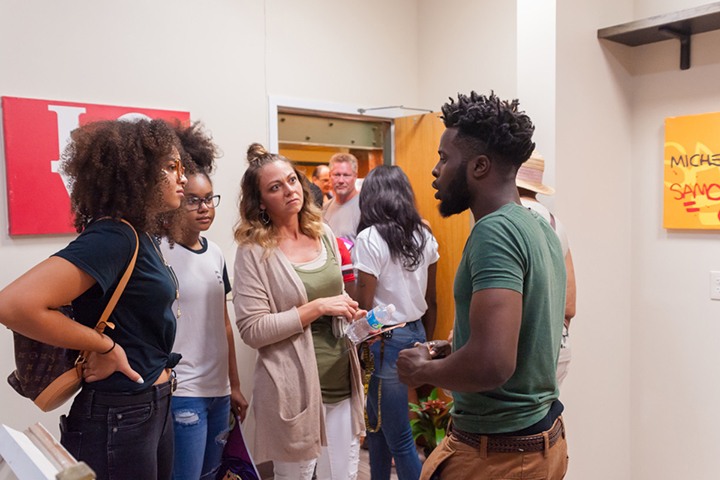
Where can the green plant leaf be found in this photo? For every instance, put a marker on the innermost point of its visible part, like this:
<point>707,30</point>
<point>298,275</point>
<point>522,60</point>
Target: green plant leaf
<point>439,435</point>
<point>433,415</point>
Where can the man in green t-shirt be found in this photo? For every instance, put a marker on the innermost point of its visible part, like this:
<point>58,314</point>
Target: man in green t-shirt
<point>509,302</point>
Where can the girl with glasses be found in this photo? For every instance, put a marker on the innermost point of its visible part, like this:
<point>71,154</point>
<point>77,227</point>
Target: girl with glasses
<point>208,387</point>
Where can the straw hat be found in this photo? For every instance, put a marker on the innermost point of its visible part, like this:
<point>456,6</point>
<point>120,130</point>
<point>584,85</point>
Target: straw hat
<point>530,174</point>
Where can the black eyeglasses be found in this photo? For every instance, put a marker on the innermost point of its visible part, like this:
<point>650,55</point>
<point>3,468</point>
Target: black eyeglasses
<point>192,202</point>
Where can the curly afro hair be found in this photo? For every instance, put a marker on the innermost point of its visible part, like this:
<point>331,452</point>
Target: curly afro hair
<point>498,124</point>
<point>200,151</point>
<point>114,170</point>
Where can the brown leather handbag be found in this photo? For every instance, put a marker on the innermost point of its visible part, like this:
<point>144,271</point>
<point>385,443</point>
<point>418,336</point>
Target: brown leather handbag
<point>50,375</point>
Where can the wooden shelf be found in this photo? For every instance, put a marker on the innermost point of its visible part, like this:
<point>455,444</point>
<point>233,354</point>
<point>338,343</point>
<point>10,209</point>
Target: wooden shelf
<point>681,25</point>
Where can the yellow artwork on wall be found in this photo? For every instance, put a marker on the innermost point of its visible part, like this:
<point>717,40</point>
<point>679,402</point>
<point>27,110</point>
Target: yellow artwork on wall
<point>692,177</point>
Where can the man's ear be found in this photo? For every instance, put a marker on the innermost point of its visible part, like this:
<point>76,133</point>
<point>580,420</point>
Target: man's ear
<point>478,166</point>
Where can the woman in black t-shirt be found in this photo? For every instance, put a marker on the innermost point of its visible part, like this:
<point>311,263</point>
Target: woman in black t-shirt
<point>119,423</point>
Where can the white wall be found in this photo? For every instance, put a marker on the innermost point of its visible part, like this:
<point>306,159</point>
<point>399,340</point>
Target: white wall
<point>640,397</point>
<point>536,77</point>
<point>360,53</point>
<point>675,327</point>
<point>650,8</point>
<point>593,188</point>
<point>466,45</point>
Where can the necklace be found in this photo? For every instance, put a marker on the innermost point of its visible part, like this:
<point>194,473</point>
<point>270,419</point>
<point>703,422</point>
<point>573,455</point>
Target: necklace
<point>172,273</point>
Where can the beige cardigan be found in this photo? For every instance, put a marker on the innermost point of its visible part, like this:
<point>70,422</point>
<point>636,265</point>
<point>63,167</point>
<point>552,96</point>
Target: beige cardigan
<point>287,402</point>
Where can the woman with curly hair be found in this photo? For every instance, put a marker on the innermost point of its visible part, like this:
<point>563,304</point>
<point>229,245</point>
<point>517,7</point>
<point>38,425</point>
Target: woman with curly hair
<point>119,423</point>
<point>290,303</point>
<point>396,257</point>
<point>207,375</point>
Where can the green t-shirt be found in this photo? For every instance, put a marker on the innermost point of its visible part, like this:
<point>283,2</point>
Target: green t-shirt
<point>332,353</point>
<point>513,248</point>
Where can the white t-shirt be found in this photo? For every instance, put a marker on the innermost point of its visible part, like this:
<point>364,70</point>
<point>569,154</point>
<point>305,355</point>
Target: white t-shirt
<point>543,211</point>
<point>201,337</point>
<point>395,284</point>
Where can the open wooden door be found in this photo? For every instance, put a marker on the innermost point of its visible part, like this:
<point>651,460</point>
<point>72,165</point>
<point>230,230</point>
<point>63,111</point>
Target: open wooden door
<point>416,144</point>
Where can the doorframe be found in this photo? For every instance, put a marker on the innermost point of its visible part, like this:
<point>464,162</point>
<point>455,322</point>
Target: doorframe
<point>329,109</point>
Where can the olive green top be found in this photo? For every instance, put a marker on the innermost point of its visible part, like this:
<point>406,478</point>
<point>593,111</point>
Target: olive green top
<point>331,353</point>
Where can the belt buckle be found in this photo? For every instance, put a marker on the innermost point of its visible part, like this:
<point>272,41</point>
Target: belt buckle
<point>173,381</point>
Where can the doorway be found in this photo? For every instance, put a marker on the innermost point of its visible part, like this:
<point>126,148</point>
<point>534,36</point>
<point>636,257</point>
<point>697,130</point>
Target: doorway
<point>310,138</point>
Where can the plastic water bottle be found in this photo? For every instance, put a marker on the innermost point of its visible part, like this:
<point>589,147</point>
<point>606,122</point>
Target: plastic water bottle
<point>359,330</point>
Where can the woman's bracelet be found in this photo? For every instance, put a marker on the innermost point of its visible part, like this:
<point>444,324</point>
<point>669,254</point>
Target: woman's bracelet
<point>109,349</point>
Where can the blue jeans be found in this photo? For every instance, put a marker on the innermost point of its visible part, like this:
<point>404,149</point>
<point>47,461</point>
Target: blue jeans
<point>121,436</point>
<point>201,430</point>
<point>394,439</point>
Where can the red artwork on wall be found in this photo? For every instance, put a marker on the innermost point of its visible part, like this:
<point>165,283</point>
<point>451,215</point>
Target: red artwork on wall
<point>36,132</point>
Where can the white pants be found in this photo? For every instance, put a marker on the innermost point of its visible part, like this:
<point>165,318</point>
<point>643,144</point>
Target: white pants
<point>339,460</point>
<point>294,470</point>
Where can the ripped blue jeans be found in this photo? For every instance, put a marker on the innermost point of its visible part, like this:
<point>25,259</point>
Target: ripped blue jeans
<point>394,440</point>
<point>201,430</point>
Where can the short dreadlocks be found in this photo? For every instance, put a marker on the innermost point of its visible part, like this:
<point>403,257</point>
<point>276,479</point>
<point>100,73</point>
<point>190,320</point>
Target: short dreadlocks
<point>499,125</point>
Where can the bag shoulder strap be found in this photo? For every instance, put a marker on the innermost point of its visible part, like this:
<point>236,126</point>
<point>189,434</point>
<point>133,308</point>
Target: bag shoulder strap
<point>103,322</point>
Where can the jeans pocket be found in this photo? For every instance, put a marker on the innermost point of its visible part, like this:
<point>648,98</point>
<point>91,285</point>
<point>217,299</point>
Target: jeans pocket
<point>130,416</point>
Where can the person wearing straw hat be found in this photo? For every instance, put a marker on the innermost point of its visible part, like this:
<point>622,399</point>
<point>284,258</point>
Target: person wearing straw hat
<point>529,182</point>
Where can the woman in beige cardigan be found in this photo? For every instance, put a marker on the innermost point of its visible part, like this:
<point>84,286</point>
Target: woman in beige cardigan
<point>290,305</point>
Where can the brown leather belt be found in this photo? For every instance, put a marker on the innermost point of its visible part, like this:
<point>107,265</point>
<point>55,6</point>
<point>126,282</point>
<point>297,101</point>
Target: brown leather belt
<point>508,444</point>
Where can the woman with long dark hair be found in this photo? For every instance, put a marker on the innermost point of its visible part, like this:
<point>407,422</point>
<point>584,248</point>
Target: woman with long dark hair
<point>291,306</point>
<point>396,256</point>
